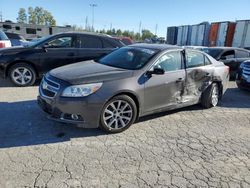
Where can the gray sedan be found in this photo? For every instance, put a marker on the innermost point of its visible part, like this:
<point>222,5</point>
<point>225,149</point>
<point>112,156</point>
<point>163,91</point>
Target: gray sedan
<point>129,83</point>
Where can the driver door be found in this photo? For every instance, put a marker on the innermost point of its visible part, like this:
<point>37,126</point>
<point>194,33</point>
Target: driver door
<point>164,91</point>
<point>58,52</point>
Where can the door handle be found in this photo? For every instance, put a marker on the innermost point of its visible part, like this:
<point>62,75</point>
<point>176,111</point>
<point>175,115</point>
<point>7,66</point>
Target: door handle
<point>179,80</point>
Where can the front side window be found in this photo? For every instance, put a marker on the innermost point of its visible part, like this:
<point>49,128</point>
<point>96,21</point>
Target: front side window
<point>170,61</point>
<point>61,42</point>
<point>194,59</point>
<point>130,58</point>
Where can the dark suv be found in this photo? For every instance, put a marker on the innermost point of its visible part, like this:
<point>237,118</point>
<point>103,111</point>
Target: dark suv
<point>25,64</point>
<point>230,56</point>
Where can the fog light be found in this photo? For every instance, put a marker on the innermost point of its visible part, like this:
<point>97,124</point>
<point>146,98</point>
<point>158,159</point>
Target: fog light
<point>74,117</point>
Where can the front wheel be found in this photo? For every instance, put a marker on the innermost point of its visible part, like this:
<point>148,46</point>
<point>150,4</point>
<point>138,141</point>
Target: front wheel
<point>118,114</point>
<point>22,74</point>
<point>210,97</point>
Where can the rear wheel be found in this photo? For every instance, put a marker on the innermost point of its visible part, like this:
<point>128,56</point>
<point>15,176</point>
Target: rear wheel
<point>22,74</point>
<point>211,95</point>
<point>118,114</point>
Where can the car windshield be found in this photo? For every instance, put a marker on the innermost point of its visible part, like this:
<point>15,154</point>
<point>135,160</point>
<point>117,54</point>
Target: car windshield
<point>213,52</point>
<point>3,36</point>
<point>130,58</point>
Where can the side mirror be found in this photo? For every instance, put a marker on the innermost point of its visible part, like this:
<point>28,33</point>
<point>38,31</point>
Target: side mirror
<point>157,71</point>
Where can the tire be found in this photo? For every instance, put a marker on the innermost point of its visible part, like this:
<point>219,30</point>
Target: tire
<point>118,114</point>
<point>210,97</point>
<point>22,74</point>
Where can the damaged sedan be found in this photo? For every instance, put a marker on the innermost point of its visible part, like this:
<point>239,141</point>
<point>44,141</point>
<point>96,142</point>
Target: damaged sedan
<point>129,83</point>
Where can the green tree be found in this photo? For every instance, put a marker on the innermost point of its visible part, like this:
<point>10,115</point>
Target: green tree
<point>146,34</point>
<point>40,16</point>
<point>22,16</point>
<point>32,16</point>
<point>119,32</point>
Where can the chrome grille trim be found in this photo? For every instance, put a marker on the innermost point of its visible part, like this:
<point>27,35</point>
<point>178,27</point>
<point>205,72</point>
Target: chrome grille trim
<point>45,86</point>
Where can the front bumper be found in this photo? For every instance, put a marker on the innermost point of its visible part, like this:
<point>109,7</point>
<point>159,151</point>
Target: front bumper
<point>85,110</point>
<point>243,83</point>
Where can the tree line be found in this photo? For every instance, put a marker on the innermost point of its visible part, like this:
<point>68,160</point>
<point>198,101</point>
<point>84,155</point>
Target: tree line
<point>37,15</point>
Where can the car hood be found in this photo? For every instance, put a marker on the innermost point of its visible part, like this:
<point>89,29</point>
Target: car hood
<point>13,49</point>
<point>89,72</point>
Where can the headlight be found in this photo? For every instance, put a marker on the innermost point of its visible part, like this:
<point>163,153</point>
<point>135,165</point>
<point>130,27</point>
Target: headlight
<point>81,90</point>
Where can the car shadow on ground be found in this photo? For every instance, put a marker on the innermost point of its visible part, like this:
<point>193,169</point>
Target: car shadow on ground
<point>24,124</point>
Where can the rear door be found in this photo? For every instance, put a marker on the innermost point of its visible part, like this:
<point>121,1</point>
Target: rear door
<point>164,91</point>
<point>90,47</point>
<point>199,74</point>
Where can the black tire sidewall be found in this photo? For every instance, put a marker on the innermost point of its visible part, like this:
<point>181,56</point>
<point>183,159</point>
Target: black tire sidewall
<point>31,69</point>
<point>134,109</point>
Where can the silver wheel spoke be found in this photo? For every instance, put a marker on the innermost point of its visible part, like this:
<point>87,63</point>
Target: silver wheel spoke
<point>111,123</point>
<point>128,111</point>
<point>108,117</point>
<point>122,122</point>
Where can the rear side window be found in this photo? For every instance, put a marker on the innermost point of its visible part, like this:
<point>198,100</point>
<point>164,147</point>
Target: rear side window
<point>90,42</point>
<point>242,54</point>
<point>107,44</point>
<point>170,61</point>
<point>3,36</point>
<point>194,59</point>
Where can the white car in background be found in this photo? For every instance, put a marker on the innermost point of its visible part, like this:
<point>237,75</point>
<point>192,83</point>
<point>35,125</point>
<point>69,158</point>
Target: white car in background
<point>4,40</point>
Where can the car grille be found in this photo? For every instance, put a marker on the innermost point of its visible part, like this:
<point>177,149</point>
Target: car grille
<point>246,70</point>
<point>49,88</point>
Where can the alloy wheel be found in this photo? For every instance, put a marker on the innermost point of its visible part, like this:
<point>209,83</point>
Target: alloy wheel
<point>118,114</point>
<point>215,96</point>
<point>21,75</point>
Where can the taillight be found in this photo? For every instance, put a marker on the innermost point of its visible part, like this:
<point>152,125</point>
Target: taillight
<point>227,69</point>
<point>2,45</point>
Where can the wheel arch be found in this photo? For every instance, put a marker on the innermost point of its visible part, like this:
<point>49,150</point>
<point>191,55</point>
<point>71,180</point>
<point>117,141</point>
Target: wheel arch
<point>133,96</point>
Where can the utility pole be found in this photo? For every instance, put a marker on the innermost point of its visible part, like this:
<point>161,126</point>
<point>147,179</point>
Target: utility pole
<point>156,28</point>
<point>1,16</point>
<point>140,28</point>
<point>93,6</point>
<point>86,24</point>
<point>111,26</point>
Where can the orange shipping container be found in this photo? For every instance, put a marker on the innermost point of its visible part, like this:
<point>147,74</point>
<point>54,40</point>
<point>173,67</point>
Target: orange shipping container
<point>213,34</point>
<point>230,34</point>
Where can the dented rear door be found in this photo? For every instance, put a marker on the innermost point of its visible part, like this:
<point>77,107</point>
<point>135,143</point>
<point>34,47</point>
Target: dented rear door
<point>199,74</point>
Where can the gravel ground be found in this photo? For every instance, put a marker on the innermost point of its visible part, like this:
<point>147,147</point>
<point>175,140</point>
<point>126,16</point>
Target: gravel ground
<point>190,147</point>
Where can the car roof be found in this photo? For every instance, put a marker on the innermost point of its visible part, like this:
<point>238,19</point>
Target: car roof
<point>85,33</point>
<point>155,46</point>
<point>226,48</point>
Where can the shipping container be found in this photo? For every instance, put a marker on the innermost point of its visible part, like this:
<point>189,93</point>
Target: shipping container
<point>222,33</point>
<point>230,34</point>
<point>183,34</point>
<point>199,34</point>
<point>172,35</point>
<point>242,34</point>
<point>213,34</point>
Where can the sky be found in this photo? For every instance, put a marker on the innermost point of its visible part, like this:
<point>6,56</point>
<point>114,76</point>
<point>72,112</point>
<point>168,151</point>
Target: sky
<point>127,15</point>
